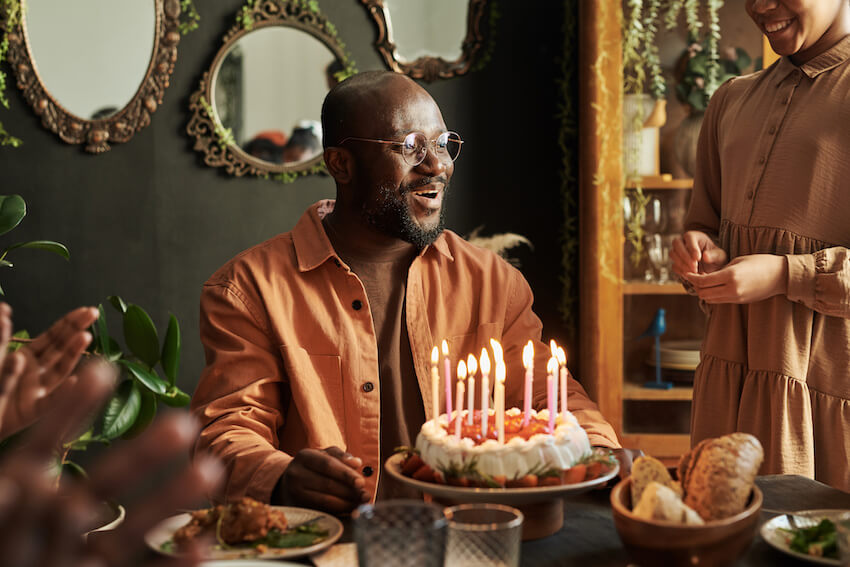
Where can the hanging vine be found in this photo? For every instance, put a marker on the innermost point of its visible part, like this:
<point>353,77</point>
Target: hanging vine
<point>11,13</point>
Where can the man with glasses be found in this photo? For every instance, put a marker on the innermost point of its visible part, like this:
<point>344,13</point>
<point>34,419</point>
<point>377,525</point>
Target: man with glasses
<point>319,340</point>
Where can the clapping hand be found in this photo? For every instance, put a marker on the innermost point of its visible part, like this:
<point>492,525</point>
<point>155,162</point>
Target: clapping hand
<point>746,279</point>
<point>696,253</point>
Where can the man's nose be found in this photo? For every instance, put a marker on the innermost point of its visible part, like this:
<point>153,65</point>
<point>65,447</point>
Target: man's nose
<point>433,162</point>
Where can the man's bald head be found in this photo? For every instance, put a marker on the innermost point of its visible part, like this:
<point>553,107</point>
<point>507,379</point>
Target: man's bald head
<point>362,99</point>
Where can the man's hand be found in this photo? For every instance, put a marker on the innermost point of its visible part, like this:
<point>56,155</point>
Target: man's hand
<point>746,279</point>
<point>625,457</point>
<point>327,479</point>
<point>695,253</point>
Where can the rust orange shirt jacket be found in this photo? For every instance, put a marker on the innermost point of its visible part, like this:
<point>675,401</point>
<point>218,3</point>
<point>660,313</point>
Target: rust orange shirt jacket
<point>292,358</point>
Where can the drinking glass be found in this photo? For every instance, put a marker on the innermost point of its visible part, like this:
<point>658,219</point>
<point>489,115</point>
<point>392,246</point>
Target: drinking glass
<point>658,251</point>
<point>483,535</point>
<point>842,534</point>
<point>655,220</point>
<point>400,533</point>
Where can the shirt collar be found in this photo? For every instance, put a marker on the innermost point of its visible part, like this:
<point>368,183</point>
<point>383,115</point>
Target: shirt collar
<point>829,59</point>
<point>313,248</point>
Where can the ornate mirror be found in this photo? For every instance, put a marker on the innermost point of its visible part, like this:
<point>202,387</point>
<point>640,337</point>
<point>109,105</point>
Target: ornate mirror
<point>437,39</point>
<point>258,108</point>
<point>95,70</point>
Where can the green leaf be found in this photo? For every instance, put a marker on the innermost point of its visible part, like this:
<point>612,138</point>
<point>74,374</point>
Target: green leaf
<point>14,345</point>
<point>103,333</point>
<point>118,303</point>
<point>148,378</point>
<point>48,245</point>
<point>122,410</point>
<point>175,397</point>
<point>13,209</point>
<point>743,59</point>
<point>697,100</point>
<point>140,335</point>
<point>74,469</point>
<point>147,411</point>
<point>171,350</point>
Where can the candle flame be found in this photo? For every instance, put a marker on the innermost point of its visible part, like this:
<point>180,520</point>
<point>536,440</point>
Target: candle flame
<point>528,355</point>
<point>445,347</point>
<point>497,350</point>
<point>471,365</point>
<point>553,347</point>
<point>552,366</point>
<point>485,362</point>
<point>461,370</point>
<point>435,356</point>
<point>501,372</point>
<point>562,357</point>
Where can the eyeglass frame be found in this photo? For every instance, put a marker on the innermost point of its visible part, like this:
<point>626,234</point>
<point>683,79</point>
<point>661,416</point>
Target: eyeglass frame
<point>430,146</point>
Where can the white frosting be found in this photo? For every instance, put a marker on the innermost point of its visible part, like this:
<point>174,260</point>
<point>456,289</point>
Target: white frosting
<point>513,459</point>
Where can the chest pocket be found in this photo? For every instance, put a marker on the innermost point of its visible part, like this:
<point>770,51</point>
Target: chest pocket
<point>315,381</point>
<point>472,343</point>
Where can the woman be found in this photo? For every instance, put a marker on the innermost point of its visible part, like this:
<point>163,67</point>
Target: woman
<point>766,247</point>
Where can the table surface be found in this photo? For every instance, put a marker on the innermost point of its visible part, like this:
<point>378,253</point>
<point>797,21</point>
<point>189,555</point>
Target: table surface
<point>589,538</point>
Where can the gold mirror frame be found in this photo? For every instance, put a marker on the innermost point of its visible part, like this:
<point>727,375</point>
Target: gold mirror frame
<point>211,138</point>
<point>429,68</point>
<point>121,126</point>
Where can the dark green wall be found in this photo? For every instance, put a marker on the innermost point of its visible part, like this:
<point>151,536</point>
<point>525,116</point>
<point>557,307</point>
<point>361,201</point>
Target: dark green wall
<point>147,220</point>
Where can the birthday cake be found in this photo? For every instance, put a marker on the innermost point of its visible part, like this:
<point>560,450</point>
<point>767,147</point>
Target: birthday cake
<point>529,454</point>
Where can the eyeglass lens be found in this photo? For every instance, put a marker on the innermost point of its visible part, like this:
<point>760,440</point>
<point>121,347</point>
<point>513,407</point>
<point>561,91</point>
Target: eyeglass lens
<point>446,146</point>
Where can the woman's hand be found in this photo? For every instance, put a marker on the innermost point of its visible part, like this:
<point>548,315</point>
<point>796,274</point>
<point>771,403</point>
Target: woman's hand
<point>746,279</point>
<point>696,253</point>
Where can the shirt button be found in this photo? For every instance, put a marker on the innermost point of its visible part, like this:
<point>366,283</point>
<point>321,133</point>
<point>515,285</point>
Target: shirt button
<point>762,159</point>
<point>772,130</point>
<point>749,194</point>
<point>337,263</point>
<point>357,304</point>
<point>368,387</point>
<point>367,471</point>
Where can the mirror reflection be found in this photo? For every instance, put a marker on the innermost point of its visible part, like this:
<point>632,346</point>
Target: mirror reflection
<point>435,28</point>
<point>269,89</point>
<point>91,55</point>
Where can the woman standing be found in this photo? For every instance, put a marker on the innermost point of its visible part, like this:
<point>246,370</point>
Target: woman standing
<point>766,247</point>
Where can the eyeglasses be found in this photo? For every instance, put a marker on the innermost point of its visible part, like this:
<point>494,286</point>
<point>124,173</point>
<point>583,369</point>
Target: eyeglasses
<point>415,146</point>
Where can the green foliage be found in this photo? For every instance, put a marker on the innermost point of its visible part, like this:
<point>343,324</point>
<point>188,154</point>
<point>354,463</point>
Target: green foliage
<point>486,55</point>
<point>693,86</point>
<point>224,136</point>
<point>11,13</point>
<point>189,17</point>
<point>13,209</point>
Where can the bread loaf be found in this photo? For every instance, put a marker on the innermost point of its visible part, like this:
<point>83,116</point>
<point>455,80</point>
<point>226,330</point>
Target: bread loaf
<point>662,503</point>
<point>646,470</point>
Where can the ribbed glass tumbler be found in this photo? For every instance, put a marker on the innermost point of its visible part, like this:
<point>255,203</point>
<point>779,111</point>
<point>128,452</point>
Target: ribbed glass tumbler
<point>483,535</point>
<point>400,533</point>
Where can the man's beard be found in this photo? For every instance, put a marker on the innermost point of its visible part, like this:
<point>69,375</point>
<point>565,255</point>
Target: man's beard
<point>391,215</point>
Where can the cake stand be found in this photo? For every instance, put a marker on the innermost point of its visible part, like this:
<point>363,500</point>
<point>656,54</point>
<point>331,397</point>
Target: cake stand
<point>542,506</point>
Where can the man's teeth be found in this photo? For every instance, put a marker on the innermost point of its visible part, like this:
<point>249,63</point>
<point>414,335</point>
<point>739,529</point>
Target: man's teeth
<point>428,194</point>
<point>776,26</point>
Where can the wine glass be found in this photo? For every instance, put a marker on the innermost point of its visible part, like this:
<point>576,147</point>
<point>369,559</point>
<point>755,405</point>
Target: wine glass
<point>655,219</point>
<point>658,251</point>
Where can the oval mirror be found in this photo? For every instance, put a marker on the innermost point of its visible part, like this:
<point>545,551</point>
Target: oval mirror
<point>258,110</point>
<point>95,70</point>
<point>430,40</point>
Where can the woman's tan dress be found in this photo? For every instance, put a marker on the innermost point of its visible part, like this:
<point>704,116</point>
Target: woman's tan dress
<point>774,177</point>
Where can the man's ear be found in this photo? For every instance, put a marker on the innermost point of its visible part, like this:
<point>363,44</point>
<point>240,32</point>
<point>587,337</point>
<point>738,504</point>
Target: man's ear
<point>340,164</point>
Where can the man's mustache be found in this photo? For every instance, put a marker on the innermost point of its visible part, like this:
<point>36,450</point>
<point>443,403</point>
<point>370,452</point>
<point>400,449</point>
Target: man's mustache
<point>423,182</point>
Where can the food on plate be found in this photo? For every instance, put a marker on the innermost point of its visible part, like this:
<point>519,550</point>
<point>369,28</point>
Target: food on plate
<point>646,470</point>
<point>660,502</point>
<point>530,456</point>
<point>819,540</point>
<point>246,523</point>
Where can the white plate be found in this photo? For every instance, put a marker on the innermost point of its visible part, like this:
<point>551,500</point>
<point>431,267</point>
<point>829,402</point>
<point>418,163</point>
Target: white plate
<point>771,532</point>
<point>164,530</point>
<point>508,496</point>
<point>249,563</point>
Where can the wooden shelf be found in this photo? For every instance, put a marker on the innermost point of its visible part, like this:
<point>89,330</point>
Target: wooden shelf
<point>674,394</point>
<point>662,184</point>
<point>642,288</point>
<point>658,445</point>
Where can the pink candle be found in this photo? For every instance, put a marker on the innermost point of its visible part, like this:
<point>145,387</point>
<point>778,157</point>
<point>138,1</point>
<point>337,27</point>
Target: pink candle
<point>448,374</point>
<point>472,368</point>
<point>461,376</point>
<point>562,362</point>
<point>528,363</point>
<point>435,384</point>
<point>485,392</point>
<point>551,376</point>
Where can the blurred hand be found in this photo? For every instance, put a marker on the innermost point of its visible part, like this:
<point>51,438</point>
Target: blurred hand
<point>327,479</point>
<point>746,279</point>
<point>30,375</point>
<point>696,253</point>
<point>625,457</point>
<point>42,525</point>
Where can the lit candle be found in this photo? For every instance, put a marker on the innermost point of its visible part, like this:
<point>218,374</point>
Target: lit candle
<point>435,384</point>
<point>553,346</point>
<point>461,376</point>
<point>551,377</point>
<point>448,374</point>
<point>528,363</point>
<point>472,368</point>
<point>498,356</point>
<point>485,392</point>
<point>562,362</point>
<point>499,402</point>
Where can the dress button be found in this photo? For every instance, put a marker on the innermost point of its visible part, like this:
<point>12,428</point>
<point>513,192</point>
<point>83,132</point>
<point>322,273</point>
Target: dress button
<point>368,387</point>
<point>357,304</point>
<point>367,471</point>
<point>772,130</point>
<point>762,159</point>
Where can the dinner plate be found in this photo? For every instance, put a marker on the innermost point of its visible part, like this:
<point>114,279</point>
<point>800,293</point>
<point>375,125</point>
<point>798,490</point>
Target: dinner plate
<point>163,531</point>
<point>772,532</point>
<point>507,496</point>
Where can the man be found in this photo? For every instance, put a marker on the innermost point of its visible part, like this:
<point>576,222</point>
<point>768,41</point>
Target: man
<point>318,341</point>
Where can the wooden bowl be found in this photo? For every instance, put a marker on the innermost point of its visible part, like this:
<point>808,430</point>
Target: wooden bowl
<point>650,542</point>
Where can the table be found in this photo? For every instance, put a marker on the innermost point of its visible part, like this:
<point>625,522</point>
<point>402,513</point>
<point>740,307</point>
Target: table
<point>589,539</point>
